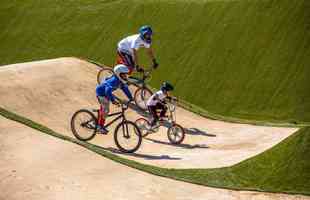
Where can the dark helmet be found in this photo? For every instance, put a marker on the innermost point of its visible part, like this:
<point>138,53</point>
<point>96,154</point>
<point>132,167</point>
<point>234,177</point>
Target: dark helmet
<point>165,86</point>
<point>146,33</point>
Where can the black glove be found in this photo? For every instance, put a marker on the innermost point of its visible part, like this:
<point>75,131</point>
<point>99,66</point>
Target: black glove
<point>115,103</point>
<point>139,69</point>
<point>155,64</point>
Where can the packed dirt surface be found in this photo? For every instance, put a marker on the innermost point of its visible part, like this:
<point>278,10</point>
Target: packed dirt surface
<point>50,91</point>
<point>37,166</point>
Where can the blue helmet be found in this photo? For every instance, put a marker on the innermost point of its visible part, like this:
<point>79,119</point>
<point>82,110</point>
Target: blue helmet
<point>146,33</point>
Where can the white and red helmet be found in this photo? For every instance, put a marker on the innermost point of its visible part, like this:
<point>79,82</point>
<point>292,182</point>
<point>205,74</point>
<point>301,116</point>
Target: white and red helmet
<point>121,69</point>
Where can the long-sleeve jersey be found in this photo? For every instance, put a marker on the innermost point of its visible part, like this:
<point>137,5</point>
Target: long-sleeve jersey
<point>107,87</point>
<point>131,42</point>
<point>157,97</point>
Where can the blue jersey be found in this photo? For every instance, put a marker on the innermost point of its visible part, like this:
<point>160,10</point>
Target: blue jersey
<point>109,85</point>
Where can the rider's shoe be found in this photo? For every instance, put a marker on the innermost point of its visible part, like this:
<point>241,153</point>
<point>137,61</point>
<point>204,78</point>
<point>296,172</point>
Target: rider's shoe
<point>102,130</point>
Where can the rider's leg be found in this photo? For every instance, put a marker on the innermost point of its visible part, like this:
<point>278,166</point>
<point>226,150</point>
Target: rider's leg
<point>125,59</point>
<point>103,113</point>
<point>163,110</point>
<point>153,112</point>
<point>106,107</point>
<point>103,109</point>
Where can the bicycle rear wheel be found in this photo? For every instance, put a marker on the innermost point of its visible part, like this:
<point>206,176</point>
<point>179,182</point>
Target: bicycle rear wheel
<point>127,137</point>
<point>176,134</point>
<point>141,96</point>
<point>104,73</point>
<point>83,125</point>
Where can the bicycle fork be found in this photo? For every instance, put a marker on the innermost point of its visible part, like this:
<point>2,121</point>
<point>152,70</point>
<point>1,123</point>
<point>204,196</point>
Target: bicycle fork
<point>125,129</point>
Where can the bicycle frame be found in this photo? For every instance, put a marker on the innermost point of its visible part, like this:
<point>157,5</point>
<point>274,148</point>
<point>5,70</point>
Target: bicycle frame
<point>141,82</point>
<point>171,116</point>
<point>120,114</point>
<point>172,110</point>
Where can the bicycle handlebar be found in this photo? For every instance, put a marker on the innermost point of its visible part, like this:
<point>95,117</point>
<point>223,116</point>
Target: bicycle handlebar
<point>122,104</point>
<point>146,73</point>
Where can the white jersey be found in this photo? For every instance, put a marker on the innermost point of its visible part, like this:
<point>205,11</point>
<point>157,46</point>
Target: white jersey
<point>155,98</point>
<point>132,42</point>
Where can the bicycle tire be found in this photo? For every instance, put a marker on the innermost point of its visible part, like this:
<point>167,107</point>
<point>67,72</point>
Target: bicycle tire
<point>92,119</point>
<point>141,96</point>
<point>142,125</point>
<point>104,72</point>
<point>137,133</point>
<point>170,134</point>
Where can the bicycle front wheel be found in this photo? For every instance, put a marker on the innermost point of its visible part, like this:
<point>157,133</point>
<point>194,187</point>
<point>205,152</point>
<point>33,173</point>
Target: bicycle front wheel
<point>104,73</point>
<point>176,134</point>
<point>141,96</point>
<point>127,137</point>
<point>144,126</point>
<point>83,125</point>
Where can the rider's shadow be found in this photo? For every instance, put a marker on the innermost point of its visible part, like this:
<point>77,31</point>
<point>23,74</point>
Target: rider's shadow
<point>140,155</point>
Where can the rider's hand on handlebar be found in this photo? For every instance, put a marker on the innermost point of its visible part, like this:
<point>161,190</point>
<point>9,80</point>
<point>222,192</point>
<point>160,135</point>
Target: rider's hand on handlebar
<point>155,64</point>
<point>128,102</point>
<point>139,69</point>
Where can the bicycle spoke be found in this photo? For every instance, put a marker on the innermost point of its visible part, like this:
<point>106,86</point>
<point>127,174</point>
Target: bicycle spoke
<point>127,136</point>
<point>127,132</point>
<point>141,97</point>
<point>83,125</point>
<point>176,134</point>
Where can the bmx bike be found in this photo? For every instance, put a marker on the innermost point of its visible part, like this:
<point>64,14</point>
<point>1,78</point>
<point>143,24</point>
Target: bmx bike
<point>127,135</point>
<point>142,93</point>
<point>175,132</point>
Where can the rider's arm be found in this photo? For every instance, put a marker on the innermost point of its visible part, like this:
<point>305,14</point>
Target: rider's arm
<point>109,94</point>
<point>135,57</point>
<point>150,52</point>
<point>126,90</point>
<point>157,98</point>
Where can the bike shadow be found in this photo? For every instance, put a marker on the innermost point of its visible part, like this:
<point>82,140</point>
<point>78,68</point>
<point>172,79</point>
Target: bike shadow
<point>185,146</point>
<point>196,131</point>
<point>139,155</point>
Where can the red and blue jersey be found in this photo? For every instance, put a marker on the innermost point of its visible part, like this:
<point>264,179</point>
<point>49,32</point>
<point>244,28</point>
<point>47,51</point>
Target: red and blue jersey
<point>107,87</point>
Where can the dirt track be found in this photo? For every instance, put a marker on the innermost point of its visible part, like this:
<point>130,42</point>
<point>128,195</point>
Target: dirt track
<point>37,166</point>
<point>51,91</point>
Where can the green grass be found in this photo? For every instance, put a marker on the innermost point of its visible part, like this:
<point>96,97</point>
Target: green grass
<point>284,168</point>
<point>246,59</point>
